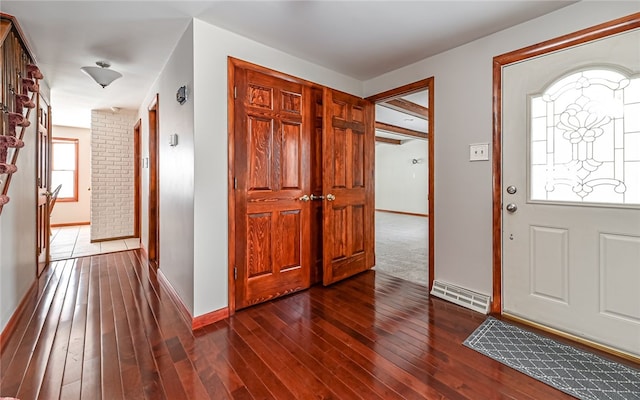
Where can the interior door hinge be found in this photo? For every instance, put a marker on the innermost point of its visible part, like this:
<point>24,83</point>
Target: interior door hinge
<point>235,92</point>
<point>235,183</point>
<point>235,273</point>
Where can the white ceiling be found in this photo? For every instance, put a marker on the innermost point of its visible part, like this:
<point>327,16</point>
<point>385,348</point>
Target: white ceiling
<point>361,39</point>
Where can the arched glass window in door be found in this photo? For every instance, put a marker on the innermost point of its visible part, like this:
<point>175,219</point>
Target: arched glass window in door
<point>585,139</point>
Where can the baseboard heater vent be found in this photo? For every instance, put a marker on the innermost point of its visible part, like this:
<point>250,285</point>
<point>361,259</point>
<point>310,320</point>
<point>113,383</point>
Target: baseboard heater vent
<point>462,297</point>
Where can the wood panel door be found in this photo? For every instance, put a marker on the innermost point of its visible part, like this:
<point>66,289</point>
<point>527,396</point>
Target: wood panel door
<point>272,207</point>
<point>316,187</point>
<point>43,178</point>
<point>348,180</point>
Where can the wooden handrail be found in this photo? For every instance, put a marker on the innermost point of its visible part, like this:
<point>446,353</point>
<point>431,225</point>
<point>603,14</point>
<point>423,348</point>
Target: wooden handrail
<point>15,55</point>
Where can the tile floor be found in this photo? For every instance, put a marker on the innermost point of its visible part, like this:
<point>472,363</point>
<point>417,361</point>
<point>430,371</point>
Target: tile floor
<point>75,241</point>
<point>402,247</point>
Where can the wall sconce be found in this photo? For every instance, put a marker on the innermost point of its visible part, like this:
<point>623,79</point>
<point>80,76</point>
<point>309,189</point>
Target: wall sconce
<point>181,95</point>
<point>102,74</point>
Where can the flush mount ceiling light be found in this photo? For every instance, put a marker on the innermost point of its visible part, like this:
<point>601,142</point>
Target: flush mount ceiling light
<point>102,74</point>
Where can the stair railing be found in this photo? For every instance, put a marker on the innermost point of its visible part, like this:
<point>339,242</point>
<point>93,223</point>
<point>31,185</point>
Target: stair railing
<point>20,86</point>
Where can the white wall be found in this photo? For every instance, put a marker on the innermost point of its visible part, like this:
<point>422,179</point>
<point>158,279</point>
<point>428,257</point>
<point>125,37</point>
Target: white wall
<point>463,116</point>
<point>69,212</point>
<point>18,229</point>
<point>463,112</point>
<point>175,169</point>
<point>112,188</point>
<point>212,45</point>
<point>193,175</point>
<point>400,184</point>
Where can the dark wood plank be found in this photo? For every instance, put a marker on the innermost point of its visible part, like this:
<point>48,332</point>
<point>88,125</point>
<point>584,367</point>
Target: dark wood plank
<point>128,362</point>
<point>150,307</point>
<point>398,130</point>
<point>53,377</point>
<point>412,355</point>
<point>276,333</point>
<point>407,107</point>
<point>90,387</point>
<point>35,369</point>
<point>111,378</point>
<point>71,380</point>
<point>31,307</point>
<point>150,382</point>
<point>388,140</point>
<point>267,365</point>
<point>104,327</point>
<point>211,343</point>
<point>180,340</point>
<point>397,380</point>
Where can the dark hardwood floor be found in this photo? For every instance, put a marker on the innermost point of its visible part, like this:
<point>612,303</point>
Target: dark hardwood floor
<point>101,327</point>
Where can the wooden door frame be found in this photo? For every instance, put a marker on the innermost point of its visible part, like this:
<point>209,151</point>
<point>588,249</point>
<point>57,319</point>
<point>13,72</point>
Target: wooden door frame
<point>137,158</point>
<point>429,84</point>
<point>231,193</point>
<point>40,119</point>
<point>600,31</point>
<point>153,252</point>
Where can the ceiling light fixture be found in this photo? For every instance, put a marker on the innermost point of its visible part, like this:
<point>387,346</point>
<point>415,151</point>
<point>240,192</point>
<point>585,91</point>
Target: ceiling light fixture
<point>102,74</point>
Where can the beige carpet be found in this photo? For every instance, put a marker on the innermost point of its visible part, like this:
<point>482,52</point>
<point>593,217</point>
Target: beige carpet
<point>402,248</point>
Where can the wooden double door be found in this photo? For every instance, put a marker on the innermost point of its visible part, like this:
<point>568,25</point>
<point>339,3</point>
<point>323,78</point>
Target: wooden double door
<point>303,180</point>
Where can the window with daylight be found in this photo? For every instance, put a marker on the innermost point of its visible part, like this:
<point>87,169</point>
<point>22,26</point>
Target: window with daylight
<point>585,139</point>
<point>64,169</point>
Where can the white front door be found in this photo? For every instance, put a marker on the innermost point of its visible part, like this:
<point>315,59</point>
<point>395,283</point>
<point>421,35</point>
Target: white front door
<point>571,191</point>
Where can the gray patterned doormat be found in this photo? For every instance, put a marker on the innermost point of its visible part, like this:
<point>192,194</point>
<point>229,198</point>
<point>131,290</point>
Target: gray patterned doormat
<point>573,371</point>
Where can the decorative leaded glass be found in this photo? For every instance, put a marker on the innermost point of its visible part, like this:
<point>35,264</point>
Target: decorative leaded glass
<point>585,139</point>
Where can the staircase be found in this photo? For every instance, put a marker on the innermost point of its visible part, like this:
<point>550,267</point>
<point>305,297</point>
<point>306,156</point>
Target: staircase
<point>20,86</point>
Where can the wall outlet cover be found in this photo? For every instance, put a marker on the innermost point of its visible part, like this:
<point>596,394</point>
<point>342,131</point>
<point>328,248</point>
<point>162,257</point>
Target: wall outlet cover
<point>479,152</point>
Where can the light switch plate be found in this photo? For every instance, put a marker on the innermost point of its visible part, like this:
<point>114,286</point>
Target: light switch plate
<point>173,139</point>
<point>479,152</point>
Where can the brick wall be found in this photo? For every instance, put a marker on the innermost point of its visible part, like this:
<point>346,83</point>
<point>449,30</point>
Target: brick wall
<point>112,189</point>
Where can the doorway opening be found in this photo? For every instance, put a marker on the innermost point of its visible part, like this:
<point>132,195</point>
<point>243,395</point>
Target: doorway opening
<point>71,199</point>
<point>404,182</point>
